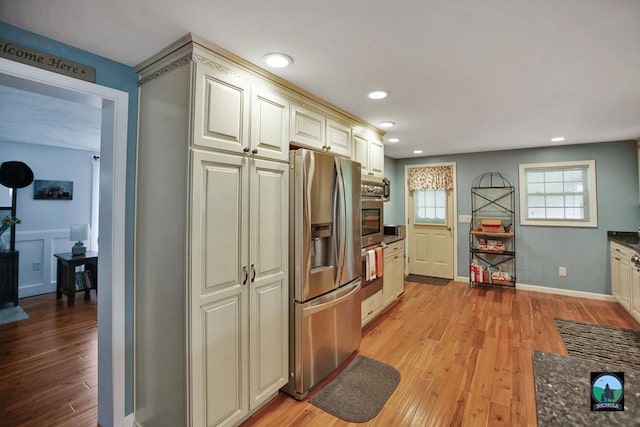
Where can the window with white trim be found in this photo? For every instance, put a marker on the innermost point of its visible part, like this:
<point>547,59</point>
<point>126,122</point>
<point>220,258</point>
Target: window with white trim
<point>561,194</point>
<point>430,206</point>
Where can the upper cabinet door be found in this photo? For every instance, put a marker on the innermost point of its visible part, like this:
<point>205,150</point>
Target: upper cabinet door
<point>269,124</point>
<point>307,128</point>
<point>338,138</point>
<point>376,157</point>
<point>221,109</point>
<point>361,151</point>
<point>369,151</point>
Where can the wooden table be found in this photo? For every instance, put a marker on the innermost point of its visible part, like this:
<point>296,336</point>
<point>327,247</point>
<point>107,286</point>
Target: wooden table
<point>66,276</point>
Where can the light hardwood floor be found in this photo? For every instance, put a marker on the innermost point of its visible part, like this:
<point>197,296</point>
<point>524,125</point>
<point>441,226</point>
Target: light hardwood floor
<point>464,355</point>
<point>48,364</point>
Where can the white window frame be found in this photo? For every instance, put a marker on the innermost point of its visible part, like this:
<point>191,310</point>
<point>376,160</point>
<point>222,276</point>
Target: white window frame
<point>592,194</point>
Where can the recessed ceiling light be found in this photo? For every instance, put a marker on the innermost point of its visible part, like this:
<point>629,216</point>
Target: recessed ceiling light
<point>557,139</point>
<point>378,94</point>
<point>387,124</point>
<point>277,60</point>
<point>417,151</point>
<point>394,139</point>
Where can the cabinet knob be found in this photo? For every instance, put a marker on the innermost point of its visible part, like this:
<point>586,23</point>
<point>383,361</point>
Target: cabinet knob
<point>254,151</point>
<point>245,149</point>
<point>328,147</point>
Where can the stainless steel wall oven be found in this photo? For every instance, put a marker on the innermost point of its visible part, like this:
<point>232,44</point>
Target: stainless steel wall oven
<point>372,226</point>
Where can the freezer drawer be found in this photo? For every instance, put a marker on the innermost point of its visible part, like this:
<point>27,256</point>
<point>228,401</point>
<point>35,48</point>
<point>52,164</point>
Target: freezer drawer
<point>329,333</point>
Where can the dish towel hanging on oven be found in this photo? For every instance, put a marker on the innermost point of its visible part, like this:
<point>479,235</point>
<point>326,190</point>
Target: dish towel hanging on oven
<point>379,261</point>
<point>370,265</point>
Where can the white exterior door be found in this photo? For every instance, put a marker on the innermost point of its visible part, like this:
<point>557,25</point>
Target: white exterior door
<point>431,244</point>
<point>268,282</point>
<point>219,291</point>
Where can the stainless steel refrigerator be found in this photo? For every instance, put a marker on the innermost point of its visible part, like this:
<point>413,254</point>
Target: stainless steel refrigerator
<point>325,266</point>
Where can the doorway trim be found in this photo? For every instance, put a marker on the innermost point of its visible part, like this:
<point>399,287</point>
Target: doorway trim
<point>408,242</point>
<point>113,156</point>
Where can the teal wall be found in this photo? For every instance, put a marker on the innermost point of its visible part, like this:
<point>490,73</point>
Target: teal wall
<point>122,77</point>
<point>541,250</point>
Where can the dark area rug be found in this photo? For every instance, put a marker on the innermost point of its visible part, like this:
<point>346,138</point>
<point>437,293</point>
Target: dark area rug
<point>563,390</point>
<point>427,279</point>
<point>359,392</point>
<point>599,343</point>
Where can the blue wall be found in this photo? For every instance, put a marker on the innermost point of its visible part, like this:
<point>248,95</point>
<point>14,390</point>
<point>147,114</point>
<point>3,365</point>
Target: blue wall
<point>541,250</point>
<point>122,77</point>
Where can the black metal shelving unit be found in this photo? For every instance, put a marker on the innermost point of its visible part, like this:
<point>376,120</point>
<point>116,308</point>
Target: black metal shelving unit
<point>492,254</point>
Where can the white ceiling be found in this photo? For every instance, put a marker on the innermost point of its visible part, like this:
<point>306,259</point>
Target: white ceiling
<point>464,76</point>
<point>34,118</point>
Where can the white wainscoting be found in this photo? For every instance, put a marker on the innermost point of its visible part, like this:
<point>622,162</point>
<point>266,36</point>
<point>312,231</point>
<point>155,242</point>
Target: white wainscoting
<point>37,267</point>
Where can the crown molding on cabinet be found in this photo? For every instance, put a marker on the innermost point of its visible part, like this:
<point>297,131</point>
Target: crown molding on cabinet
<point>187,48</point>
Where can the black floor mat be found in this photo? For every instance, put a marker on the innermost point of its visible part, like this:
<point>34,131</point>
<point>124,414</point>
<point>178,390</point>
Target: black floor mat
<point>427,279</point>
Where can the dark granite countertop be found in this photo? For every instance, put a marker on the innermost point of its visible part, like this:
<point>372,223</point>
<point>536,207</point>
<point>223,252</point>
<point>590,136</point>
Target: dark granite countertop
<point>563,387</point>
<point>629,239</point>
<point>389,239</point>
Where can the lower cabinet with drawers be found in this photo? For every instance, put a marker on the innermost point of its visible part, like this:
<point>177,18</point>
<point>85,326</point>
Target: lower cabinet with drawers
<point>392,282</point>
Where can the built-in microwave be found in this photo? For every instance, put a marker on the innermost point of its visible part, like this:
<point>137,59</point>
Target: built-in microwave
<point>372,227</point>
<point>376,190</point>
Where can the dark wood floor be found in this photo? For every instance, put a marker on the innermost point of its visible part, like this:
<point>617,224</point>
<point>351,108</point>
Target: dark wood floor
<point>464,355</point>
<point>48,364</point>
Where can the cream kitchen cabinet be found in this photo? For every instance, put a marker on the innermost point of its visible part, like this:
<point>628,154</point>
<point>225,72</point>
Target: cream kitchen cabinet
<point>393,278</point>
<point>620,274</point>
<point>269,123</point>
<point>371,307</point>
<point>313,129</point>
<point>307,127</point>
<point>239,295</point>
<point>211,242</point>
<point>369,151</point>
<point>224,101</point>
<point>338,138</point>
<point>634,282</point>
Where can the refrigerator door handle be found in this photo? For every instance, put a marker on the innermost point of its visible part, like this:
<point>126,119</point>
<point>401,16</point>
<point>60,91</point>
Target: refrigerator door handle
<point>329,301</point>
<point>336,228</point>
<point>342,229</point>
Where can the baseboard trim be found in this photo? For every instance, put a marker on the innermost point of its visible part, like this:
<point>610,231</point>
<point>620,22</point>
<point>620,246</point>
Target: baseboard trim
<point>129,420</point>
<point>566,292</point>
<point>556,291</point>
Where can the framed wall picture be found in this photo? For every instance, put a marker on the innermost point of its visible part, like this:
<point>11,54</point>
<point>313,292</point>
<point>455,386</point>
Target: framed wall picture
<point>52,190</point>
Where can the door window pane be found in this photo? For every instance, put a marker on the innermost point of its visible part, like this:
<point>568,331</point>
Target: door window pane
<point>430,206</point>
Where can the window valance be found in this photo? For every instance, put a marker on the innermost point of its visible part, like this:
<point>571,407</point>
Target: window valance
<point>430,178</point>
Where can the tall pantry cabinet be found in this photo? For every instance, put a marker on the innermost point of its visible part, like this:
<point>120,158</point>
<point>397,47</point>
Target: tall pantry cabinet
<point>211,272</point>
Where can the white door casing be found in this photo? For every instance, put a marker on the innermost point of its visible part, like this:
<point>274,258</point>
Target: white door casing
<point>111,274</point>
